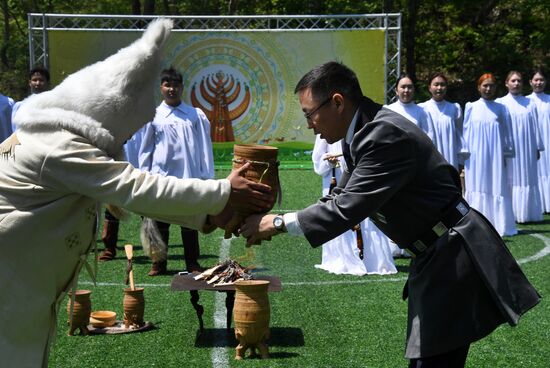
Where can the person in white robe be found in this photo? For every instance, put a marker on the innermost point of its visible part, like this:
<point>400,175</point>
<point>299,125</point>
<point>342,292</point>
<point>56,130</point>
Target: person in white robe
<point>489,141</point>
<point>177,143</point>
<point>447,121</point>
<point>341,254</point>
<point>111,223</point>
<point>64,160</point>
<point>39,81</point>
<point>6,106</point>
<point>522,168</point>
<point>405,106</point>
<point>542,103</point>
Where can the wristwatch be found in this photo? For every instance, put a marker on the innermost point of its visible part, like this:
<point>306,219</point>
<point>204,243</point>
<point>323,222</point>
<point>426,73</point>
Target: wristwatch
<point>279,224</point>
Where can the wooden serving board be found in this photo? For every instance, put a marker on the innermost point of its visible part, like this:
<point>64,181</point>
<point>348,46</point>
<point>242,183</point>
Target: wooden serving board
<point>119,328</point>
<point>188,283</point>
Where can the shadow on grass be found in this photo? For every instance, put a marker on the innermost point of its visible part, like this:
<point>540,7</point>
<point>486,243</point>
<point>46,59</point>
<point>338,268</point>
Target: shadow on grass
<point>529,231</point>
<point>543,222</point>
<point>221,337</point>
<point>402,268</point>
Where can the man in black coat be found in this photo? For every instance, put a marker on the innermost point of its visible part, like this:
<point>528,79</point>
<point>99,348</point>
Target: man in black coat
<point>463,281</point>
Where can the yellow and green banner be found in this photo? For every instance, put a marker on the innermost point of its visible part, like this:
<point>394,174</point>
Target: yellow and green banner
<point>243,80</point>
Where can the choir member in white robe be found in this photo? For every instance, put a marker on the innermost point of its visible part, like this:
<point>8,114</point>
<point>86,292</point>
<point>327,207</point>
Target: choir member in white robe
<point>447,120</point>
<point>404,89</point>
<point>177,143</point>
<point>487,136</point>
<point>522,168</point>
<point>6,105</point>
<point>542,102</point>
<point>341,254</point>
<point>111,223</point>
<point>132,148</point>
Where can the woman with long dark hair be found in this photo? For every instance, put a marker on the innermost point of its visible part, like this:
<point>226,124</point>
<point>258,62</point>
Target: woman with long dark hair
<point>522,168</point>
<point>542,103</point>
<point>447,120</point>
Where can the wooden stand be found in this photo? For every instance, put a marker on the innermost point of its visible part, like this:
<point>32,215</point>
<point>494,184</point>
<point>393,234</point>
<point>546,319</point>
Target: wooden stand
<point>188,283</point>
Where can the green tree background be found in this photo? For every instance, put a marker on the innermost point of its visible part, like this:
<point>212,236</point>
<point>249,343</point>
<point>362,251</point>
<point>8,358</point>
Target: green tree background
<point>460,38</point>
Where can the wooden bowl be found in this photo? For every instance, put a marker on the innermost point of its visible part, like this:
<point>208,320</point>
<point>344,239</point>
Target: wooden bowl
<point>102,318</point>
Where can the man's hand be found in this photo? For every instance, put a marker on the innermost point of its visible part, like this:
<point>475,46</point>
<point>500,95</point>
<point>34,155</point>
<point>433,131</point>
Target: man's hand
<point>257,228</point>
<point>247,196</point>
<point>333,160</point>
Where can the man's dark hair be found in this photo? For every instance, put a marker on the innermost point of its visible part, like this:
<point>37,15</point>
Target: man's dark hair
<point>329,78</point>
<point>171,75</point>
<point>40,70</point>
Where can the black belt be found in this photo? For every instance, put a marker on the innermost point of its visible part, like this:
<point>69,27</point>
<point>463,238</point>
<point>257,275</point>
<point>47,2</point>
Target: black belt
<point>448,220</point>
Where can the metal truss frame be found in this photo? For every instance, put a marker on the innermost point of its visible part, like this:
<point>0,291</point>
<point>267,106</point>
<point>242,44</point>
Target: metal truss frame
<point>40,24</point>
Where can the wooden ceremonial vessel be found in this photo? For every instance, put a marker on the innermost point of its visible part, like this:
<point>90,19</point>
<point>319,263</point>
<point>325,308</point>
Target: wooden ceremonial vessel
<point>251,314</point>
<point>264,168</point>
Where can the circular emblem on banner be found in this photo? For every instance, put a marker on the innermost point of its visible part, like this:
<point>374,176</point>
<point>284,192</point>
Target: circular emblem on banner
<point>234,80</point>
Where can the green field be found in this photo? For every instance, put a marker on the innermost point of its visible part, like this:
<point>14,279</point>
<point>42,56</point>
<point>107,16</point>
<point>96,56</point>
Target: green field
<point>317,320</point>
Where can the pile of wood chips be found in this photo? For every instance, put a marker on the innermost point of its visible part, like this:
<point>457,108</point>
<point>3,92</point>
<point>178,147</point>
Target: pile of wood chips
<point>225,273</point>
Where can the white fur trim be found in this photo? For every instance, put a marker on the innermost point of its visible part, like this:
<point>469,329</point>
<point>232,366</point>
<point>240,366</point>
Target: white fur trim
<point>106,102</point>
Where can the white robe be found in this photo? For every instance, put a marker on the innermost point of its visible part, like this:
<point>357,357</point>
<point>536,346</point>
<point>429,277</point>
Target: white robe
<point>542,102</point>
<point>177,143</point>
<point>341,255</point>
<point>522,168</point>
<point>487,136</point>
<point>132,147</point>
<point>417,115</point>
<point>447,121</point>
<point>48,200</point>
<point>6,106</point>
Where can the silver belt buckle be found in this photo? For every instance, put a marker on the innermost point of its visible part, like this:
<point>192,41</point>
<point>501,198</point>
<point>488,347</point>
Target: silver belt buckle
<point>460,207</point>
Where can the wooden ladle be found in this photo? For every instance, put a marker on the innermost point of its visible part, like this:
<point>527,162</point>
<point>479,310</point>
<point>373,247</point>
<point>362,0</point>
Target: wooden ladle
<point>129,249</point>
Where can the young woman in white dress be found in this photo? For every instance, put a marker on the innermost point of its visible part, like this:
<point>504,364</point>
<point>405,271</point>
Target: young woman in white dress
<point>522,169</point>
<point>542,102</point>
<point>447,120</point>
<point>488,139</point>
<point>405,105</point>
<point>404,89</point>
<point>341,254</point>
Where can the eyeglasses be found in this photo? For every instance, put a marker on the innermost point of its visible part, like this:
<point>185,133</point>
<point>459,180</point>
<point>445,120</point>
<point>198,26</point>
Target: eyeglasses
<point>308,115</point>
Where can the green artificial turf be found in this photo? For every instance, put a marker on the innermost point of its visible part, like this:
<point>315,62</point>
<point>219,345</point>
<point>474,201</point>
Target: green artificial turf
<point>317,320</point>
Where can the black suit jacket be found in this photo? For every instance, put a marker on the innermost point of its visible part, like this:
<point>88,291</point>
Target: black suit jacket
<point>467,282</point>
<point>396,177</point>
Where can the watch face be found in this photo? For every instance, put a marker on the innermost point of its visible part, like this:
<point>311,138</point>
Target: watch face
<point>278,222</point>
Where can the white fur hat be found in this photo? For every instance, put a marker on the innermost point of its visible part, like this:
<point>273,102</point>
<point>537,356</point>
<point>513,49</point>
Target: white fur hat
<point>106,102</point>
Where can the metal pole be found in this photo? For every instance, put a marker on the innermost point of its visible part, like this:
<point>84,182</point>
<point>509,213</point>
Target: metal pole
<point>31,40</point>
<point>386,54</point>
<point>45,41</point>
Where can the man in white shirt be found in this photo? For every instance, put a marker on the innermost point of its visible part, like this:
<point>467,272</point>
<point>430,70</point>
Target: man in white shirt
<point>39,81</point>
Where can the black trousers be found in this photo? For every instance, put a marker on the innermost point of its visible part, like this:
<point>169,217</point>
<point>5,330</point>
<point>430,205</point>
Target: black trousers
<point>189,238</point>
<point>109,216</point>
<point>452,359</point>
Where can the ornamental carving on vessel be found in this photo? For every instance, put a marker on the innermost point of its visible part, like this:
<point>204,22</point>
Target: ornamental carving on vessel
<point>220,91</point>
